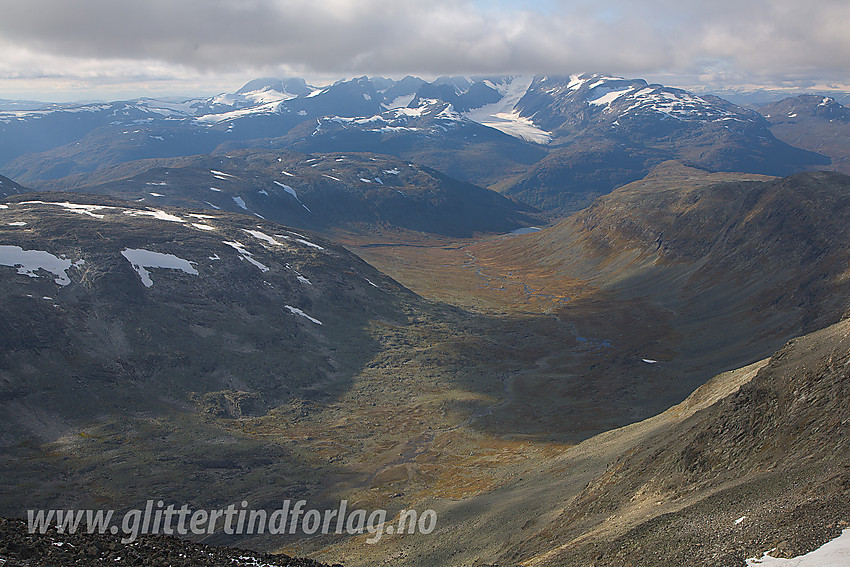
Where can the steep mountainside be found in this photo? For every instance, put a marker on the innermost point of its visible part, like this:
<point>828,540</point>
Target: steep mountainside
<point>741,267</point>
<point>788,231</point>
<point>765,469</point>
<point>816,123</point>
<point>9,187</point>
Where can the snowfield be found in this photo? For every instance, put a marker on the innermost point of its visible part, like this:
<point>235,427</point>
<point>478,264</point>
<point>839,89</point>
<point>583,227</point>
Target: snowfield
<point>297,311</point>
<point>239,247</point>
<point>835,553</point>
<point>502,115</point>
<point>263,237</point>
<point>73,207</point>
<point>29,262</point>
<point>142,259</point>
<point>292,192</point>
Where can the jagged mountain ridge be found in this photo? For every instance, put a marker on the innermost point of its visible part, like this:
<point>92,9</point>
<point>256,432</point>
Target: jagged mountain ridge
<point>609,131</point>
<point>550,103</point>
<point>555,104</point>
<point>554,142</point>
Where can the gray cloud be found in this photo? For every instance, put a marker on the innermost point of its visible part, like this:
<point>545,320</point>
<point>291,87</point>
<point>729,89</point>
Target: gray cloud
<point>755,40</point>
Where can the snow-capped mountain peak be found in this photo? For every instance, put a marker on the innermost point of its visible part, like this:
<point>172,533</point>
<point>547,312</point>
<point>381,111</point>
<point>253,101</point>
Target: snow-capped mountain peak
<point>584,100</point>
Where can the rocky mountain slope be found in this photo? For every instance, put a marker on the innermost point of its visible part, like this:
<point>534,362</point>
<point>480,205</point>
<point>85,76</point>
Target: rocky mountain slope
<point>766,468</point>
<point>19,548</point>
<point>787,236</point>
<point>718,272</point>
<point>132,306</point>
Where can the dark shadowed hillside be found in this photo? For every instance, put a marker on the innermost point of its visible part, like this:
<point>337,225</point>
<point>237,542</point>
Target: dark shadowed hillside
<point>355,193</point>
<point>738,263</point>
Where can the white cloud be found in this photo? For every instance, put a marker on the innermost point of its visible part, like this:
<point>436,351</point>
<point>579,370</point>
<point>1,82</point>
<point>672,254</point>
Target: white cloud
<point>771,41</point>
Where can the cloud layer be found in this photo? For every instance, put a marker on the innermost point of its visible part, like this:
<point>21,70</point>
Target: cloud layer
<point>767,41</point>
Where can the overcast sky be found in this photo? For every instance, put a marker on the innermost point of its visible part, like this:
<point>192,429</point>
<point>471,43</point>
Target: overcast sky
<point>68,50</point>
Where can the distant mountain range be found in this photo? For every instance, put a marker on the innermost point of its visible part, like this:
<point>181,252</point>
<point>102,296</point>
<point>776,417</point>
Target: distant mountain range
<point>817,123</point>
<point>552,142</point>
